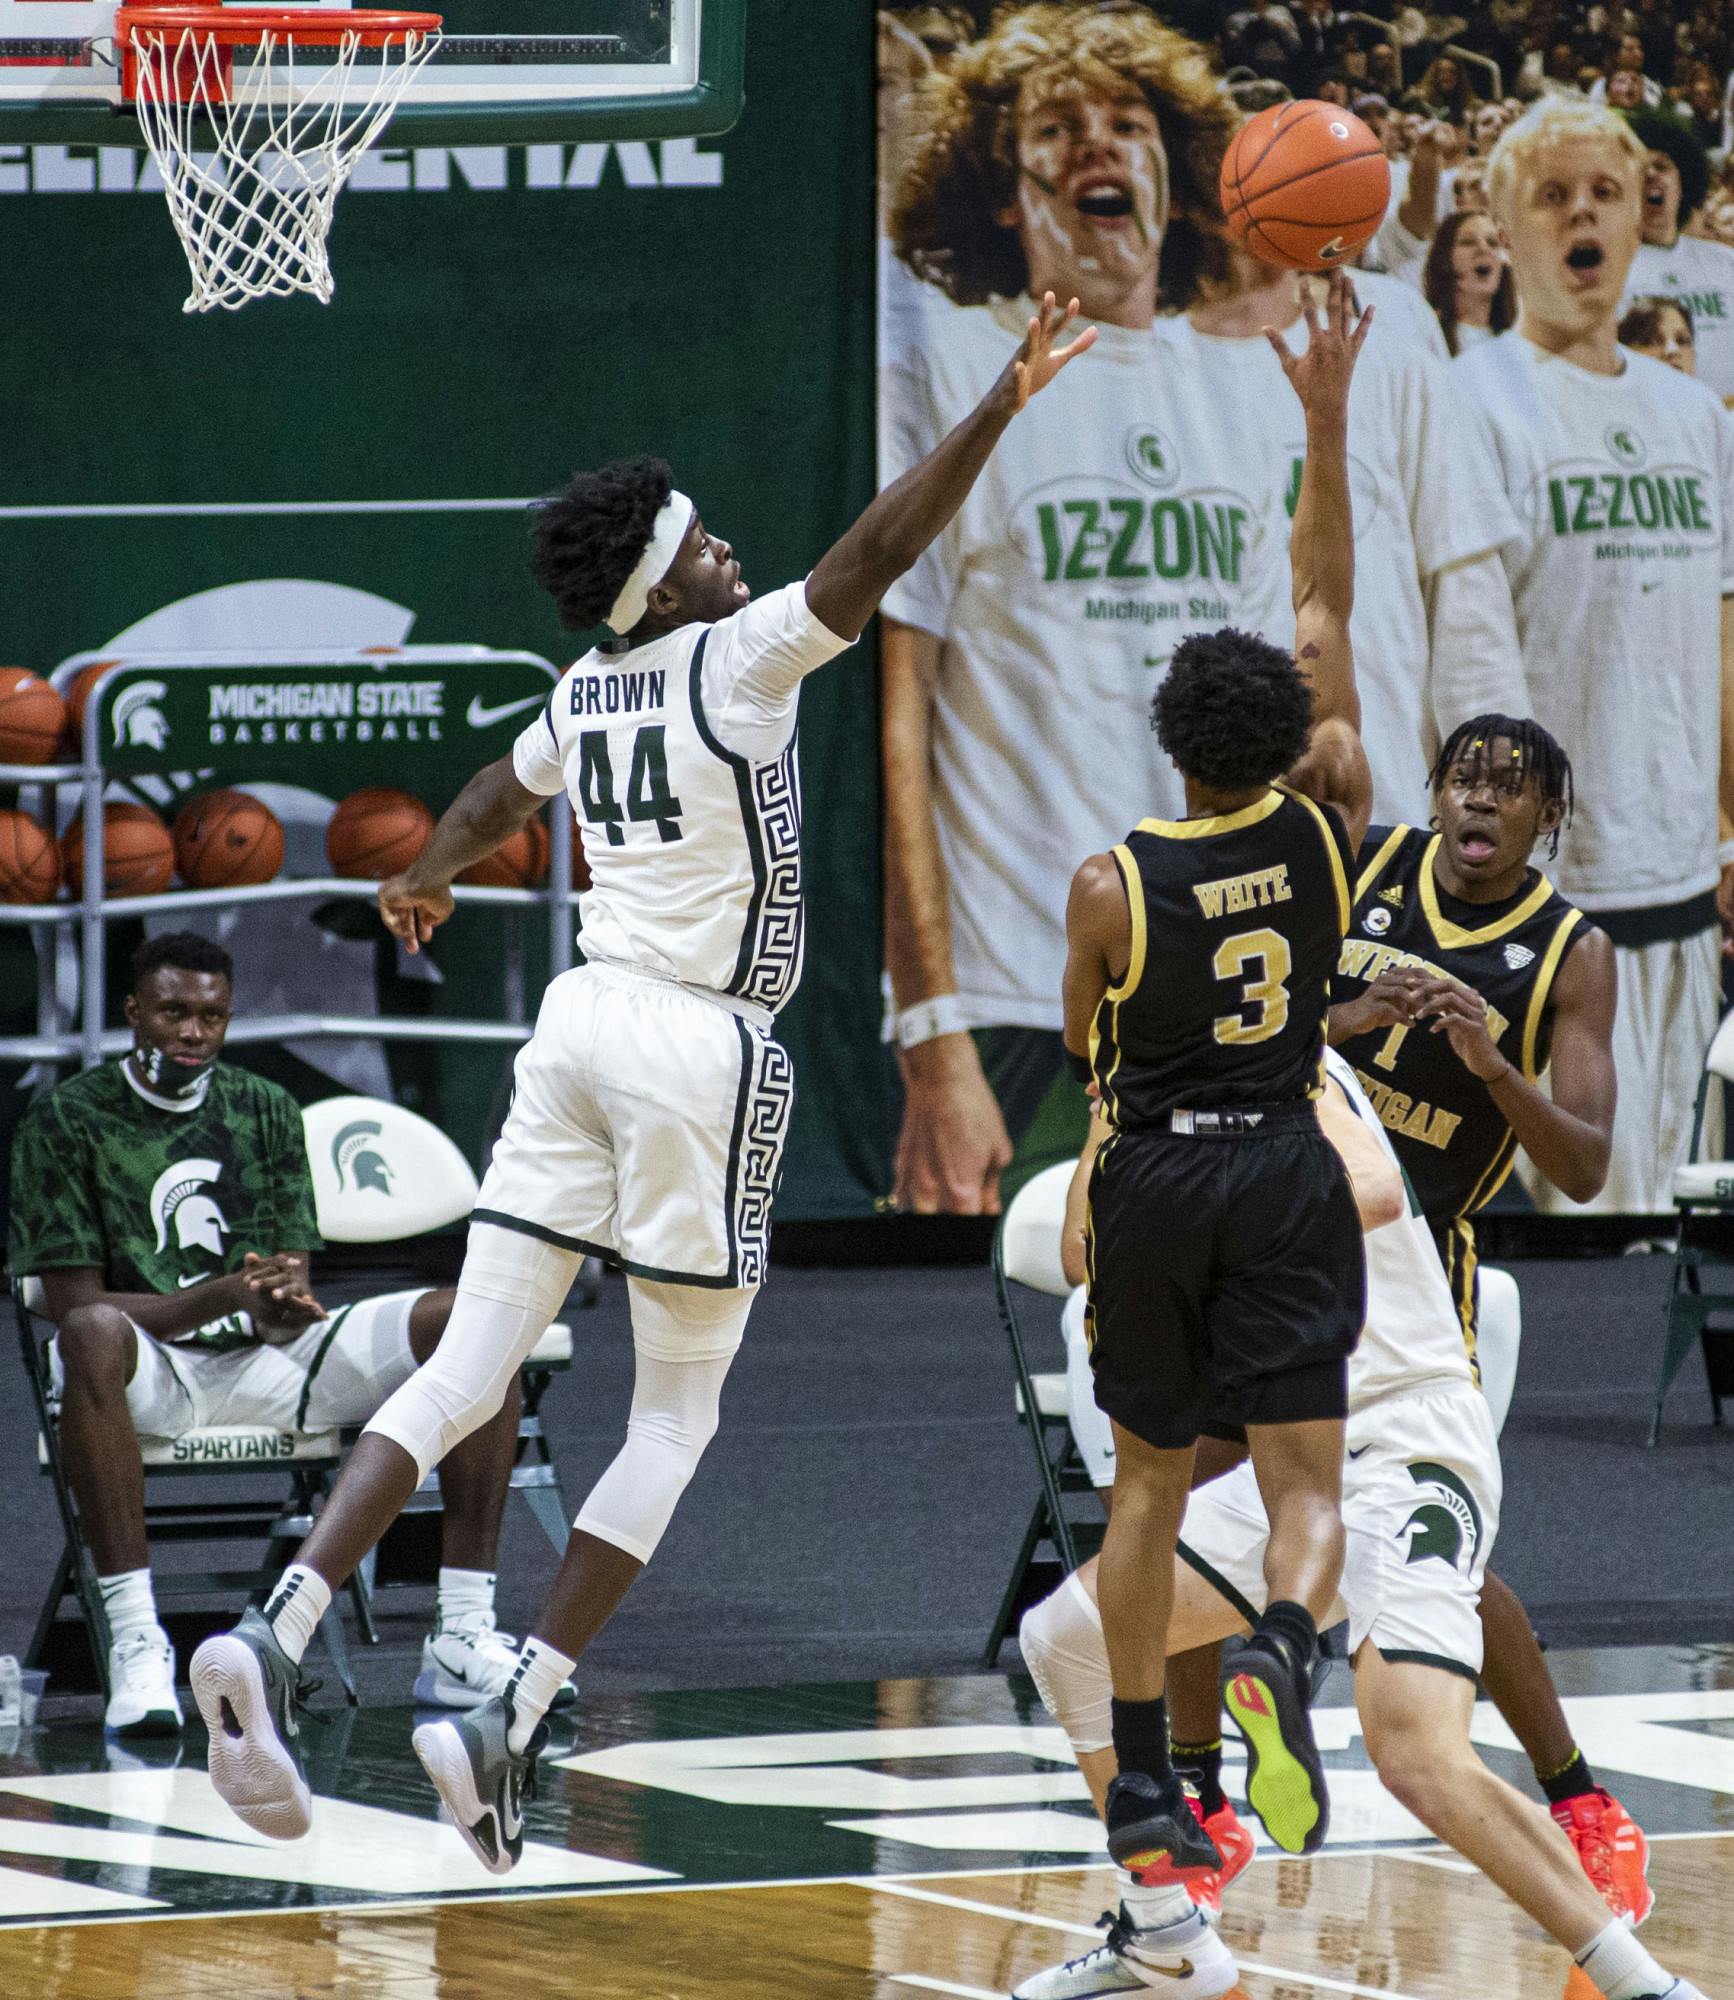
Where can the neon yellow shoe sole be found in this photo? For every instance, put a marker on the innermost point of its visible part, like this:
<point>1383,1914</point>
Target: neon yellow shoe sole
<point>1285,1782</point>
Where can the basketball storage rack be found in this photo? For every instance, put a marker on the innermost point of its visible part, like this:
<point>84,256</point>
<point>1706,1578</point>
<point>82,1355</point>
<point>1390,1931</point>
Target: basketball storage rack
<point>144,718</point>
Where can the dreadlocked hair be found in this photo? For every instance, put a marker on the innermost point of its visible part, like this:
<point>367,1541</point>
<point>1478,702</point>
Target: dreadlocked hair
<point>1534,754</point>
<point>1233,710</point>
<point>588,537</point>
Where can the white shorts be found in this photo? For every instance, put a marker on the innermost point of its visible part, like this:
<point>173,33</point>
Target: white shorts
<point>647,1125</point>
<point>338,1372</point>
<point>1670,1002</point>
<point>1421,1488</point>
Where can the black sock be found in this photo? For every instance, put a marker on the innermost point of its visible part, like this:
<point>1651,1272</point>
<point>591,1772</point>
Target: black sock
<point>1200,1766</point>
<point>1293,1625</point>
<point>1571,1779</point>
<point>1141,1737</point>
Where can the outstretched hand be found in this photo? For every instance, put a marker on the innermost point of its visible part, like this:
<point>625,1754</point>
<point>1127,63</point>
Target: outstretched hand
<point>1320,373</point>
<point>1038,360</point>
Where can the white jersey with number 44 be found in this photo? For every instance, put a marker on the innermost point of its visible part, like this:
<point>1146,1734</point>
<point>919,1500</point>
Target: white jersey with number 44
<point>679,758</point>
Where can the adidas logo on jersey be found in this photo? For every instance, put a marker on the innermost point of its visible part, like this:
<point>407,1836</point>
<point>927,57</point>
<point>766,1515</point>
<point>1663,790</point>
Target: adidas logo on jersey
<point>1517,956</point>
<point>1392,896</point>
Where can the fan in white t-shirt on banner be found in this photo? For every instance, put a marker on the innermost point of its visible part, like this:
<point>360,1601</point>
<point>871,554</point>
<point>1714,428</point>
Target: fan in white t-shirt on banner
<point>1621,471</point>
<point>1432,623</point>
<point>1076,147</point>
<point>1673,265</point>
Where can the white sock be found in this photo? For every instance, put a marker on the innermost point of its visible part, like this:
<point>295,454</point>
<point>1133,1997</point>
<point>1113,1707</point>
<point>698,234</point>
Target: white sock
<point>540,1675</point>
<point>1149,1907</point>
<point>466,1598</point>
<point>128,1601</point>
<point>1618,1966</point>
<point>301,1599</point>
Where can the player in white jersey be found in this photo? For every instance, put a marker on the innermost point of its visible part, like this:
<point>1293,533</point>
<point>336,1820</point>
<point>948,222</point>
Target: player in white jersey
<point>1621,471</point>
<point>1432,614</point>
<point>651,1102</point>
<point>1069,147</point>
<point>1672,265</point>
<point>1421,1492</point>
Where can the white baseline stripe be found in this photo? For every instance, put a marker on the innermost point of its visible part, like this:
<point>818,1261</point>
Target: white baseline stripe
<point>1025,1917</point>
<point>150,511</point>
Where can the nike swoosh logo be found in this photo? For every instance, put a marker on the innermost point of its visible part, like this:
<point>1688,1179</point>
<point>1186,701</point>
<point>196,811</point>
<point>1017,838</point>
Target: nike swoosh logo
<point>1184,1970</point>
<point>1648,587</point>
<point>479,715</point>
<point>1362,1452</point>
<point>513,1815</point>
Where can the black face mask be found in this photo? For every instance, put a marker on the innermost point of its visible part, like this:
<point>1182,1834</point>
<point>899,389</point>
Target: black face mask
<point>164,1078</point>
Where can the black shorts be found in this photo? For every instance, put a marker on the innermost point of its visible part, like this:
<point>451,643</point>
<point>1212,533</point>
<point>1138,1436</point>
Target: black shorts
<point>1227,1279</point>
<point>1455,1240</point>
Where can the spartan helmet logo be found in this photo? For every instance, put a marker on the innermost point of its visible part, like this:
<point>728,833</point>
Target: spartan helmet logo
<point>1446,1524</point>
<point>179,1203</point>
<point>354,1154</point>
<point>137,719</point>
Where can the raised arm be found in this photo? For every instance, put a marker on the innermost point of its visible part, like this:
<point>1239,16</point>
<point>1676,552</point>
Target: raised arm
<point>1322,546</point>
<point>846,585</point>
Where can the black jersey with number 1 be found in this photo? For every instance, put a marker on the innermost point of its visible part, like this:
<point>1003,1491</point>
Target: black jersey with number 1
<point>1237,923</point>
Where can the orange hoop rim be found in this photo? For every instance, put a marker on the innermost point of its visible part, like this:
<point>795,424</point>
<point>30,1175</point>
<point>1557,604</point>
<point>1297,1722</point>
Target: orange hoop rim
<point>314,27</point>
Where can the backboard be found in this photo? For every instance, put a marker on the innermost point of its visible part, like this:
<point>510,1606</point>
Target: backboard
<point>507,70</point>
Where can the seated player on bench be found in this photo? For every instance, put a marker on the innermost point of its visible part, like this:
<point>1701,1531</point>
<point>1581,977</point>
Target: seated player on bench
<point>165,1203</point>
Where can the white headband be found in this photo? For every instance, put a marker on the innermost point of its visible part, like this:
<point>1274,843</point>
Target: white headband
<point>667,533</point>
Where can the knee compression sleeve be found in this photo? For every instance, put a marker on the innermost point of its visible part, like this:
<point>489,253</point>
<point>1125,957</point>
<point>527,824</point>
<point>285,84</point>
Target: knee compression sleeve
<point>1067,1657</point>
<point>686,1337</point>
<point>511,1287</point>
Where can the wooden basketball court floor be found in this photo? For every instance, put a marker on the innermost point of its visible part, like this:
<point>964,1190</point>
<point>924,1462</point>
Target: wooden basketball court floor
<point>870,1842</point>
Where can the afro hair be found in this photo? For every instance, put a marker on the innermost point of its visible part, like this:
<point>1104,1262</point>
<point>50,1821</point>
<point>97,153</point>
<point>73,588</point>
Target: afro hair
<point>1660,133</point>
<point>589,536</point>
<point>1234,710</point>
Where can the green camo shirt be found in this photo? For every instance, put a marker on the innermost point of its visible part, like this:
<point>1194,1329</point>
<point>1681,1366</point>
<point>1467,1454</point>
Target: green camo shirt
<point>158,1200</point>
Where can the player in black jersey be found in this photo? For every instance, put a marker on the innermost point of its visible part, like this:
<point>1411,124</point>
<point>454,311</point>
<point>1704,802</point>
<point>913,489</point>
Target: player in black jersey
<point>1464,976</point>
<point>1224,1251</point>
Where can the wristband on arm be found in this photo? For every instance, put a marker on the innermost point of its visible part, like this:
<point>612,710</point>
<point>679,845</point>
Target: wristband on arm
<point>927,1020</point>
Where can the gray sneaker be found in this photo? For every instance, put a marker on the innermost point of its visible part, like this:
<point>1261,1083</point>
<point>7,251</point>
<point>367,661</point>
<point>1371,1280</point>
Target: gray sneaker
<point>249,1691</point>
<point>482,1783</point>
<point>1185,1958</point>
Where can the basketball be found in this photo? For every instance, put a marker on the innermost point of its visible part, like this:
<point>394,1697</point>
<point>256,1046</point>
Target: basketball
<point>31,718</point>
<point>376,832</point>
<point>79,693</point>
<point>138,856</point>
<point>519,862</point>
<point>29,860</point>
<point>227,840</point>
<point>1304,185</point>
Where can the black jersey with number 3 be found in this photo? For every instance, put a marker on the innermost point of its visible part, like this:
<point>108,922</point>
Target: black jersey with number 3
<point>1455,1143</point>
<point>1236,927</point>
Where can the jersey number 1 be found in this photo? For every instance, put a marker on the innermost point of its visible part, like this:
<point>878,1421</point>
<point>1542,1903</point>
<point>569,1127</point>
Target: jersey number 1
<point>647,793</point>
<point>1267,993</point>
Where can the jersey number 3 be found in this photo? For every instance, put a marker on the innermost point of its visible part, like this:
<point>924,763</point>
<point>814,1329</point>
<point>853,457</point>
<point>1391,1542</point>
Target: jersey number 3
<point>647,793</point>
<point>1267,993</point>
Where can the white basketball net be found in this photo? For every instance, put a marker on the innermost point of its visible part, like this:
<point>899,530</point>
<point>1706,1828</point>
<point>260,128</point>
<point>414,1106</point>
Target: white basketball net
<point>253,215</point>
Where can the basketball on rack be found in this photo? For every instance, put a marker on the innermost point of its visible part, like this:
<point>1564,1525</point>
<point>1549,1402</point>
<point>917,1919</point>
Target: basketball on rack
<point>29,860</point>
<point>32,716</point>
<point>138,856</point>
<point>227,840</point>
<point>79,693</point>
<point>519,862</point>
<point>1304,185</point>
<point>376,832</point>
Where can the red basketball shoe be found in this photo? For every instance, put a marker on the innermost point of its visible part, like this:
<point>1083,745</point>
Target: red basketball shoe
<point>1235,1842</point>
<point>1611,1849</point>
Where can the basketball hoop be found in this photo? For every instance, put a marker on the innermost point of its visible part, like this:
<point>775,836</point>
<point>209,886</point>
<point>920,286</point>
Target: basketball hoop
<point>253,145</point>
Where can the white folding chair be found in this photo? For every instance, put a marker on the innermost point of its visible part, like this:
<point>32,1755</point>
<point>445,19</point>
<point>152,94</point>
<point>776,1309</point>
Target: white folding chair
<point>382,1173</point>
<point>281,1518</point>
<point>1703,1191</point>
<point>1026,1257</point>
<point>1499,1338</point>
